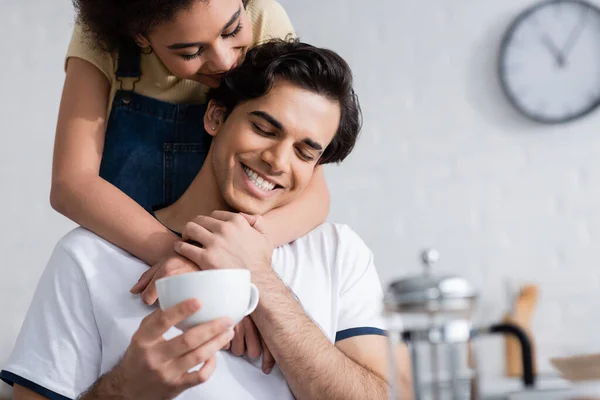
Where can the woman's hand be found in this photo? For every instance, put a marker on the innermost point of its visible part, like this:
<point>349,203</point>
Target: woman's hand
<point>174,264</point>
<point>247,340</point>
<point>228,240</point>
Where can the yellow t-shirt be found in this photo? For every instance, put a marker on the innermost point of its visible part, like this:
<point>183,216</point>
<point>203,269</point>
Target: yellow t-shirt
<point>268,18</point>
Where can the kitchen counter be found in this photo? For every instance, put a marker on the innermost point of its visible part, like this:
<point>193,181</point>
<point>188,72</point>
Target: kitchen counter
<point>575,393</point>
<point>547,387</point>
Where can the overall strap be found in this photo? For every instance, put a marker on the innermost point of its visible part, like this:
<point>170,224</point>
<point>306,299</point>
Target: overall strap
<point>128,65</point>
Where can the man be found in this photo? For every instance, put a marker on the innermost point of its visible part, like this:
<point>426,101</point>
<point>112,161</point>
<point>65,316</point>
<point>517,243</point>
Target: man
<point>288,108</point>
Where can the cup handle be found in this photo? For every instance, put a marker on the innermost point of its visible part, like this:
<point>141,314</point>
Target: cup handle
<point>253,300</point>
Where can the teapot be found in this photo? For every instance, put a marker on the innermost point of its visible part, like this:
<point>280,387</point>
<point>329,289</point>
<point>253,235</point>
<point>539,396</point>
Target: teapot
<point>432,314</point>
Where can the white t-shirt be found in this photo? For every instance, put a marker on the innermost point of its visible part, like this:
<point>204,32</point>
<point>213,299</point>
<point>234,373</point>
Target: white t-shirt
<point>82,316</point>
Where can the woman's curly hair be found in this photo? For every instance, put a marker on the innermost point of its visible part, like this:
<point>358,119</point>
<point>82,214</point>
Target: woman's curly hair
<point>110,22</point>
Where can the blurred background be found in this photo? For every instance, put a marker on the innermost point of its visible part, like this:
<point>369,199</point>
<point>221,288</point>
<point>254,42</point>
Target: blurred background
<point>444,161</point>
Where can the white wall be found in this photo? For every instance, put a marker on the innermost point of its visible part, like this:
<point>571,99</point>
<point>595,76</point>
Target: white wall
<point>443,160</point>
<point>33,39</point>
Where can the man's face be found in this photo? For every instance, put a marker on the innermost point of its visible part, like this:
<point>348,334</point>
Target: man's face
<point>264,154</point>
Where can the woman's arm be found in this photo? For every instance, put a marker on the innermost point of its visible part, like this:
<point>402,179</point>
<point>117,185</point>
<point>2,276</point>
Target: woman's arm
<point>78,192</point>
<point>306,212</point>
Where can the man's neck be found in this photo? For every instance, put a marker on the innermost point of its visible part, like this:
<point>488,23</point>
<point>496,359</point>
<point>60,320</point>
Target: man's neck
<point>202,197</point>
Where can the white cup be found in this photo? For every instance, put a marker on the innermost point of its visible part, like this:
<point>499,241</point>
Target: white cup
<point>222,293</point>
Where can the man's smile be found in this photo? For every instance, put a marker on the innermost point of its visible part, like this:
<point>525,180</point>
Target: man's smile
<point>260,185</point>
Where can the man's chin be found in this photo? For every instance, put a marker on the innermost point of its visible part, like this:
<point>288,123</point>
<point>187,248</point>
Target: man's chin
<point>248,205</point>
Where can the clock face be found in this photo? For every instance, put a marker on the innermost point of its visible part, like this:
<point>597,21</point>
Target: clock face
<point>550,61</point>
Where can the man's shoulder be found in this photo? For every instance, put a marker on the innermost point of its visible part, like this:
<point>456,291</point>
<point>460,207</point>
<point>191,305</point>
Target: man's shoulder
<point>82,245</point>
<point>333,237</point>
<point>82,255</point>
<point>81,237</point>
<point>339,232</point>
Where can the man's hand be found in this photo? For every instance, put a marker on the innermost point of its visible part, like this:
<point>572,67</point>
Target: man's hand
<point>153,368</point>
<point>168,266</point>
<point>243,342</point>
<point>228,241</point>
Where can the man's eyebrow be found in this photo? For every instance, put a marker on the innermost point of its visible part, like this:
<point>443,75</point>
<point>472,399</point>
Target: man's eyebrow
<point>269,118</point>
<point>278,125</point>
<point>313,144</point>
<point>178,46</point>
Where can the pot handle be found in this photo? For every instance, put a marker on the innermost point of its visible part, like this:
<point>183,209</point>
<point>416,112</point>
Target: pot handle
<point>526,354</point>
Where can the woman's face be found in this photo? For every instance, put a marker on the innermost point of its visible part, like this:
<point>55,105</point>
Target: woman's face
<point>205,41</point>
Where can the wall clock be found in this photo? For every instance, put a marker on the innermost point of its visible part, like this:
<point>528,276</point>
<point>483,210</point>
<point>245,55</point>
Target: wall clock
<point>549,62</point>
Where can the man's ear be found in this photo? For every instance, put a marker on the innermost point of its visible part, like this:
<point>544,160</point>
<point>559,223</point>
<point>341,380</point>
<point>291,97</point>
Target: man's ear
<point>214,117</point>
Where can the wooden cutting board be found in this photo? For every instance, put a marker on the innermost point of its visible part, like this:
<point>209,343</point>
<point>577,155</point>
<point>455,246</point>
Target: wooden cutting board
<point>521,316</point>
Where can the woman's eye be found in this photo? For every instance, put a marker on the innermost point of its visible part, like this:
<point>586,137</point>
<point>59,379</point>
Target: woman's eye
<point>188,57</point>
<point>232,34</point>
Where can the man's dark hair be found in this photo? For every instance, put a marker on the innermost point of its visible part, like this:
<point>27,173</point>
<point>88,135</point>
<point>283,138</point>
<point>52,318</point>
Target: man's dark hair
<point>318,70</point>
<point>111,22</point>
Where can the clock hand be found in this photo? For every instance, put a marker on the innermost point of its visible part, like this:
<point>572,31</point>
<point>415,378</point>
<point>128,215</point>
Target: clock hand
<point>554,50</point>
<point>574,35</point>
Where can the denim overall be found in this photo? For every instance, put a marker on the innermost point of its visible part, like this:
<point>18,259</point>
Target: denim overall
<point>153,149</point>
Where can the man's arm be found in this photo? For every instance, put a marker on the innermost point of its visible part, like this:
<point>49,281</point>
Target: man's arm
<point>22,393</point>
<point>153,368</point>
<point>404,379</point>
<point>313,367</point>
<point>366,350</point>
<point>65,359</point>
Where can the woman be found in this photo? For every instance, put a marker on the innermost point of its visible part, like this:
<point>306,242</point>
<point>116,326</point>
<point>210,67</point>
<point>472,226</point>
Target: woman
<point>130,135</point>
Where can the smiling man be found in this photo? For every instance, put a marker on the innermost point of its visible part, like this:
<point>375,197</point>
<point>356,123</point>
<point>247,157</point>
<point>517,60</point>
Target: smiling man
<point>288,108</point>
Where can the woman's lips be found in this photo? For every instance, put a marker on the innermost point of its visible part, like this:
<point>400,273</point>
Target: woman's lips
<point>213,76</point>
<point>219,75</point>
